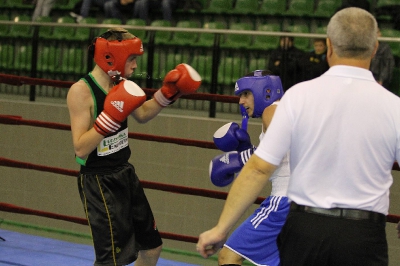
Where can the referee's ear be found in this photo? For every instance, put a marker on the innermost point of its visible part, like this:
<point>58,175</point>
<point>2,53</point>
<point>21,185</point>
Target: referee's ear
<point>329,51</point>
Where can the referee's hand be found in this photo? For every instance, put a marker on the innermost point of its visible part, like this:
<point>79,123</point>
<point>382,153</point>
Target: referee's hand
<point>210,242</point>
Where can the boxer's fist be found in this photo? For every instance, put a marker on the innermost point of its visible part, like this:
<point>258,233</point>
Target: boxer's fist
<point>122,100</point>
<point>223,168</point>
<point>189,81</point>
<point>230,137</point>
<point>182,80</point>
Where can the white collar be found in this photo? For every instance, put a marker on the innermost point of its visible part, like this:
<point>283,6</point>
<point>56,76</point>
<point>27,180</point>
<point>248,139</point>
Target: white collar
<point>350,71</point>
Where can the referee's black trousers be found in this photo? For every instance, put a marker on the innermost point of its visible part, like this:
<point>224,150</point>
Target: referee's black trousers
<point>311,239</point>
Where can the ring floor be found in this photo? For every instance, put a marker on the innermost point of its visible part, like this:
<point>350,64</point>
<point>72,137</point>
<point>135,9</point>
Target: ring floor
<point>20,249</point>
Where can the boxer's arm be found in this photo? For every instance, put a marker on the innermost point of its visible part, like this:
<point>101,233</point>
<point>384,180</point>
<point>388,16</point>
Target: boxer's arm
<point>243,193</point>
<point>80,105</point>
<point>267,116</point>
<point>147,111</point>
<point>179,81</point>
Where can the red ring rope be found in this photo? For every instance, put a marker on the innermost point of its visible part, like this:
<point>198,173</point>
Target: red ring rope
<point>19,81</point>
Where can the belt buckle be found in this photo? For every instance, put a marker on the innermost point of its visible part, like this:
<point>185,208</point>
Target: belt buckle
<point>334,212</point>
<point>355,214</point>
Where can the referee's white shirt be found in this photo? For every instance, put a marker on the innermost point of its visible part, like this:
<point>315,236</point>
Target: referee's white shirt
<point>343,132</point>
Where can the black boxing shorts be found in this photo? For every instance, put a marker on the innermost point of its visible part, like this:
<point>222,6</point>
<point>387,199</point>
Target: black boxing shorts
<point>119,215</point>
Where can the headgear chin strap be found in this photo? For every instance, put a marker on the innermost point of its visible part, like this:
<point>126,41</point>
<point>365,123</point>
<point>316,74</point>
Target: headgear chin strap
<point>111,56</point>
<point>265,89</point>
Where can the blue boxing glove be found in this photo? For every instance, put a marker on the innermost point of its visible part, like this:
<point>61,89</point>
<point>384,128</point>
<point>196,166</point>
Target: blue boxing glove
<point>223,168</point>
<point>230,137</point>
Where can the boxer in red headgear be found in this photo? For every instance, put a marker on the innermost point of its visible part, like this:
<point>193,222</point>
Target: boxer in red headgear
<point>99,105</point>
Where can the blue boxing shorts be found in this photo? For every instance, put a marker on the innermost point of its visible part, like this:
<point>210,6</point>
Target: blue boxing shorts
<point>255,239</point>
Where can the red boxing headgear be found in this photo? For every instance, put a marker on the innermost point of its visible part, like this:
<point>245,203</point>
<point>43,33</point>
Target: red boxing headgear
<point>111,56</point>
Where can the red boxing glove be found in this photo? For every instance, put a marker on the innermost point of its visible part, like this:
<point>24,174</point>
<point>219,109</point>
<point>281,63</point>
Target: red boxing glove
<point>122,100</point>
<point>182,80</point>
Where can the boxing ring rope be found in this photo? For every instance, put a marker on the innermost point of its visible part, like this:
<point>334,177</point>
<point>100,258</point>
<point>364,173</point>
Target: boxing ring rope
<point>19,81</point>
<point>18,120</point>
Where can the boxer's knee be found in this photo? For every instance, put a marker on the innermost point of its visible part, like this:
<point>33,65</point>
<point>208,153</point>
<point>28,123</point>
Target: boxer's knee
<point>227,257</point>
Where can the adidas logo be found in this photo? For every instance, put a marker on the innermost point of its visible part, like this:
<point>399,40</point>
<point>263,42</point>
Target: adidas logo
<point>225,159</point>
<point>119,105</point>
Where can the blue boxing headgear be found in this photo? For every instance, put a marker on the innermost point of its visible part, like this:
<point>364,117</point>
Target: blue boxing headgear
<point>266,89</point>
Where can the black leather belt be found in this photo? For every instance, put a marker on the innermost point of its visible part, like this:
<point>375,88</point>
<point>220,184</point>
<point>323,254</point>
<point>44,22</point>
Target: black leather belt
<point>352,214</point>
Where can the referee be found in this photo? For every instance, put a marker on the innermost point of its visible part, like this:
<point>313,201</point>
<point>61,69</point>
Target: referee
<point>343,132</point>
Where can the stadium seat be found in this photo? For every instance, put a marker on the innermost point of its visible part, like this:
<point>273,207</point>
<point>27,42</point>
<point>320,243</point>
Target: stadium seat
<point>20,4</point>
<point>83,33</point>
<point>73,61</point>
<point>385,10</point>
<point>21,31</point>
<point>174,59</point>
<point>245,7</point>
<point>64,32</point>
<point>111,21</point>
<point>61,4</point>
<point>183,38</point>
<point>321,29</point>
<point>236,41</point>
<point>108,21</point>
<point>301,8</point>
<point>5,5</point>
<point>157,69</point>
<point>218,7</point>
<point>200,4</point>
<point>48,59</point>
<point>4,29</point>
<point>163,63</point>
<point>203,65</point>
<point>300,42</point>
<point>231,69</point>
<point>272,7</point>
<point>141,70</point>
<point>45,32</point>
<point>141,34</point>
<point>266,42</point>
<point>203,3</point>
<point>387,3</point>
<point>67,5</point>
<point>207,39</point>
<point>326,8</point>
<point>258,64</point>
<point>6,56</point>
<point>23,58</point>
<point>161,37</point>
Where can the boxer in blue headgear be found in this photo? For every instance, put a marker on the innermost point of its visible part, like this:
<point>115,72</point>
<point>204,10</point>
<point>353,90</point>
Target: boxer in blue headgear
<point>255,239</point>
<point>265,87</point>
